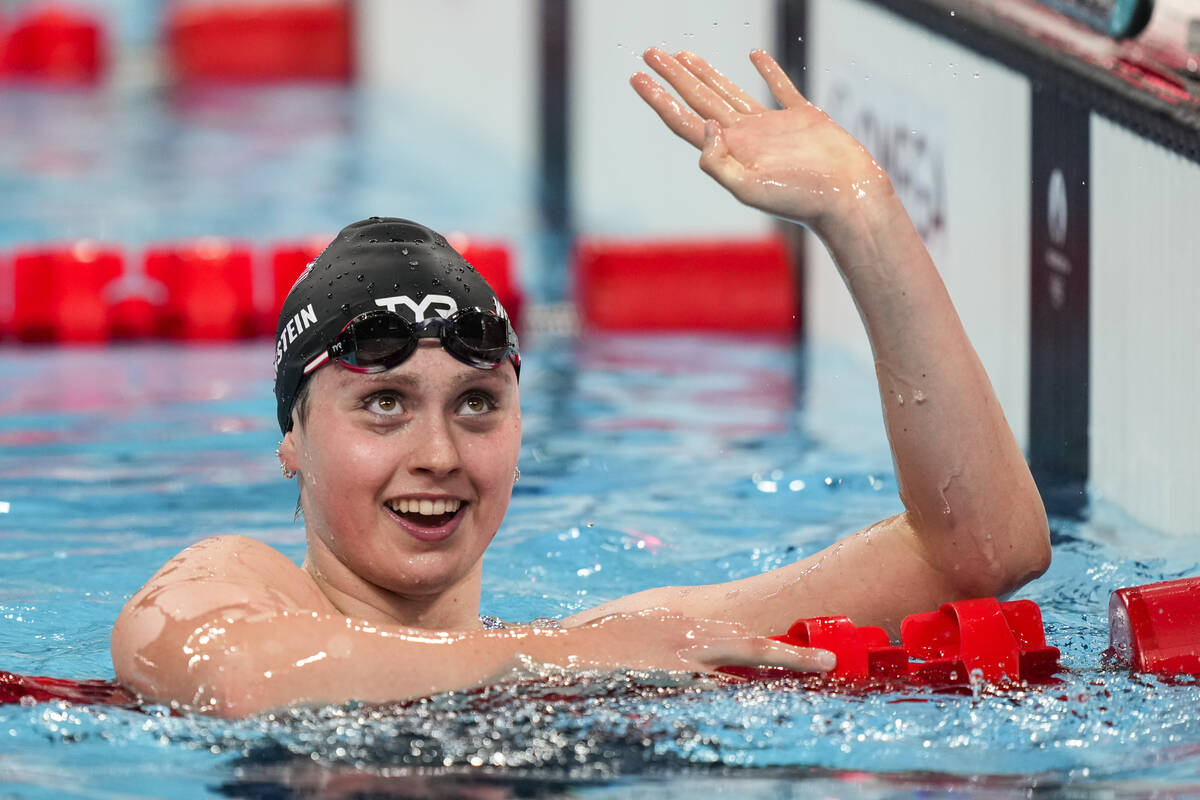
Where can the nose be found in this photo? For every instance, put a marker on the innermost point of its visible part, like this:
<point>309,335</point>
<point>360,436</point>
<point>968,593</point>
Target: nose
<point>435,451</point>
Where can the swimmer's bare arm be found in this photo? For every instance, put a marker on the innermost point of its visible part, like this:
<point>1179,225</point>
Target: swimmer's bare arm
<point>974,524</point>
<point>232,627</point>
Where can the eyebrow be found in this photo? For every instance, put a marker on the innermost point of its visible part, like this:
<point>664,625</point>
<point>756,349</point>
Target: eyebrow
<point>410,379</point>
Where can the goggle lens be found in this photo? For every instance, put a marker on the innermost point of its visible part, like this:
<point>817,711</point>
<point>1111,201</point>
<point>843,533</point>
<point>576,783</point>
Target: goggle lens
<point>379,340</point>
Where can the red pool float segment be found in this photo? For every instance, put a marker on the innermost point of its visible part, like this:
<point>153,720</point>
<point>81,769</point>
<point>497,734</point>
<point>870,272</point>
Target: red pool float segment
<point>209,290</point>
<point>59,292</point>
<point>221,42</point>
<point>726,285</point>
<point>997,641</point>
<point>56,44</point>
<point>1000,642</point>
<point>16,688</point>
<point>1156,627</point>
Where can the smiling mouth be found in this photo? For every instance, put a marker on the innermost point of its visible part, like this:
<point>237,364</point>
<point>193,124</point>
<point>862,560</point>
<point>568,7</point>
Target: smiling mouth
<point>426,513</point>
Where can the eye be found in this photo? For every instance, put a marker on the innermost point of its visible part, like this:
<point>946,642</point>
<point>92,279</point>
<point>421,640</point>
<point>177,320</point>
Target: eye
<point>385,403</point>
<point>475,404</point>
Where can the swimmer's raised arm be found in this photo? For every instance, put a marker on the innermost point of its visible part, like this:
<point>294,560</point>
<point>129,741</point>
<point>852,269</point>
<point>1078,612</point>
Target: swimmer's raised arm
<point>973,523</point>
<point>232,627</point>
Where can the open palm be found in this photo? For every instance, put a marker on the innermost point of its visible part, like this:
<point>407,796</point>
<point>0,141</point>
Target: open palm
<point>794,162</point>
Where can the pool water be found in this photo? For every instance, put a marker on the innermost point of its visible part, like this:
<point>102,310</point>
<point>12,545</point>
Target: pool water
<point>646,461</point>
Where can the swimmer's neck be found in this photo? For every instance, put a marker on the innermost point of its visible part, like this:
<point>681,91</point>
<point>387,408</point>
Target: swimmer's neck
<point>355,598</point>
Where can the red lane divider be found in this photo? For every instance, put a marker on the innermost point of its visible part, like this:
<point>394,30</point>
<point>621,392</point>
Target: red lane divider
<point>732,286</point>
<point>202,290</point>
<point>998,642</point>
<point>34,688</point>
<point>261,41</point>
<point>1156,628</point>
<point>59,292</point>
<point>209,285</point>
<point>55,44</point>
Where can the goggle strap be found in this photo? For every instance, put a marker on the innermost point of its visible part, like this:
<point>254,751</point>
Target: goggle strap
<point>316,362</point>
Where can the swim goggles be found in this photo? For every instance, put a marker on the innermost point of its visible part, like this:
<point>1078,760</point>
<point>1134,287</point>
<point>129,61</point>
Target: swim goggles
<point>379,339</point>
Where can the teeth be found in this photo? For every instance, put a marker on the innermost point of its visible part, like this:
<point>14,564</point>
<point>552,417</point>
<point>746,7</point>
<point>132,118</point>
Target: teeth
<point>428,508</point>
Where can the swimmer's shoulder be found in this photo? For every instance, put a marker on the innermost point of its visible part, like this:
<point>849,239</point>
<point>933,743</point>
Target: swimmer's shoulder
<point>241,566</point>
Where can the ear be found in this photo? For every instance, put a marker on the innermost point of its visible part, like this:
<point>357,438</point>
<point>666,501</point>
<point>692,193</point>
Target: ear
<point>287,452</point>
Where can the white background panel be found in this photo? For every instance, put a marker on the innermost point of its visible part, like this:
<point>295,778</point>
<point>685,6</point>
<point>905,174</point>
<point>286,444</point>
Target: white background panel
<point>958,126</point>
<point>469,70</point>
<point>1145,324</point>
<point>630,175</point>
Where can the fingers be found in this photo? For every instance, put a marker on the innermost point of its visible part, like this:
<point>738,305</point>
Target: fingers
<point>729,91</point>
<point>757,652</point>
<point>682,122</point>
<point>694,91</point>
<point>782,88</point>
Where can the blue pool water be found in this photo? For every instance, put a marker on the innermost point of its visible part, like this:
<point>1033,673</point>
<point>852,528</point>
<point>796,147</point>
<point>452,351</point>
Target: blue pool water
<point>647,461</point>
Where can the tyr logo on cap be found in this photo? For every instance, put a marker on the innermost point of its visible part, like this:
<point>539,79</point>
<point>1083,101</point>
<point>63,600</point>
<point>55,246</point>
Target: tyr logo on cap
<point>448,306</point>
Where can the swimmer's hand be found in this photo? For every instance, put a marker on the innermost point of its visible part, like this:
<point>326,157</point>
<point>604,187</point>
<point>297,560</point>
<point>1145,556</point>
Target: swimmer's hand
<point>656,639</point>
<point>794,162</point>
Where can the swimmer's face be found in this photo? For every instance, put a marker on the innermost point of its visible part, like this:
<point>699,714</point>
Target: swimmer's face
<point>375,448</point>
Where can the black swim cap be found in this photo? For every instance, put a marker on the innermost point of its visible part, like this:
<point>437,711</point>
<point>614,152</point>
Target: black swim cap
<point>381,262</point>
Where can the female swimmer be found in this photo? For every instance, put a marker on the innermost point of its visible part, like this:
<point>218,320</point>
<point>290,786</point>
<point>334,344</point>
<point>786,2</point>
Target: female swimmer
<point>397,382</point>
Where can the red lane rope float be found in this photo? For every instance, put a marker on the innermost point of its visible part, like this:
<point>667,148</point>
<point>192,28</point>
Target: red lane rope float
<point>39,689</point>
<point>208,289</point>
<point>719,285</point>
<point>996,641</point>
<point>982,638</point>
<point>1156,628</point>
<point>59,292</point>
<point>56,45</point>
<point>224,42</point>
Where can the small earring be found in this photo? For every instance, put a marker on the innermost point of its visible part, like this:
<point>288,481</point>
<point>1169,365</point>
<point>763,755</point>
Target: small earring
<point>516,475</point>
<point>287,473</point>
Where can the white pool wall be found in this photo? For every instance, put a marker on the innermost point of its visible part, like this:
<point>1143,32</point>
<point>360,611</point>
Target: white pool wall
<point>478,60</point>
<point>1145,328</point>
<point>973,116</point>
